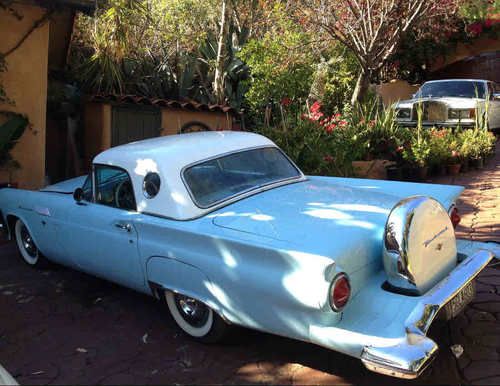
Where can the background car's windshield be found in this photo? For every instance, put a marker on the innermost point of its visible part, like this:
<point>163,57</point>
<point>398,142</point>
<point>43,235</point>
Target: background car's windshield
<point>218,179</point>
<point>454,88</point>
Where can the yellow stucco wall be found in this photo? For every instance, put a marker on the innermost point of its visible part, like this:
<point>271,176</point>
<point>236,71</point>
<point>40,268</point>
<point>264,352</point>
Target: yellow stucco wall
<point>173,119</point>
<point>395,90</point>
<point>463,51</point>
<point>97,131</point>
<point>61,28</point>
<point>97,125</point>
<point>26,83</point>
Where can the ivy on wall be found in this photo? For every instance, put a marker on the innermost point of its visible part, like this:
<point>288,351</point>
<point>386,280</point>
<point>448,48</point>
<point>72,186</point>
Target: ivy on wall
<point>15,123</point>
<point>6,5</point>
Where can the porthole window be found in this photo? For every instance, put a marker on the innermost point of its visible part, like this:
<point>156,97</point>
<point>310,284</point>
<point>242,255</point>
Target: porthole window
<point>151,185</point>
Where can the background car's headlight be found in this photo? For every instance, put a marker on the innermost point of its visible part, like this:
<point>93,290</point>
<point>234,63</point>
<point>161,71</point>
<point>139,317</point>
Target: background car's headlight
<point>461,113</point>
<point>403,113</point>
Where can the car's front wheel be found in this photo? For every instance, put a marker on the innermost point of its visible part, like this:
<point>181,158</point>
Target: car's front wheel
<point>195,318</point>
<point>27,248</point>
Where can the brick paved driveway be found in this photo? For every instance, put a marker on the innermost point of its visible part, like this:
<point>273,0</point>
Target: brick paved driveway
<point>61,326</point>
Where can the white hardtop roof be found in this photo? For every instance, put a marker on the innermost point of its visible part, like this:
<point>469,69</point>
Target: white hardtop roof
<point>167,156</point>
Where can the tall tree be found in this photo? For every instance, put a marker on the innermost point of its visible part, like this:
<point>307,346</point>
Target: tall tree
<point>218,86</point>
<point>372,29</point>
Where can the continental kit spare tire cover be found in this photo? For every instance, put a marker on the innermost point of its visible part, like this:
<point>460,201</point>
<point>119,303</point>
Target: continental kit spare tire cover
<point>419,246</point>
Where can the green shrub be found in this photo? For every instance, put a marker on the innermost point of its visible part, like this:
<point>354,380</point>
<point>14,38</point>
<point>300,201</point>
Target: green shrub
<point>439,140</point>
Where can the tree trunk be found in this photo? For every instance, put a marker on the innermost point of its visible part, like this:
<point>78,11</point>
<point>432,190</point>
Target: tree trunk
<point>219,63</point>
<point>361,89</point>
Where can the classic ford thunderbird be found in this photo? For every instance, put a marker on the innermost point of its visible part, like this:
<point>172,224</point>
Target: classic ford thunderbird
<point>226,230</point>
<point>453,102</point>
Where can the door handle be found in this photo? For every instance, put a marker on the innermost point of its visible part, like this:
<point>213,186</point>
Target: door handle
<point>124,226</point>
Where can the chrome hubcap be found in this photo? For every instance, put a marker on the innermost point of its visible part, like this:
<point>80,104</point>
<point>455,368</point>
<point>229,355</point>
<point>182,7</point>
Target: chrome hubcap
<point>192,311</point>
<point>28,243</point>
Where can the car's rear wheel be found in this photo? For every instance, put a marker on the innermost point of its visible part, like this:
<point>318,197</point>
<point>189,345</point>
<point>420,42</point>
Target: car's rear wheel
<point>195,318</point>
<point>27,248</point>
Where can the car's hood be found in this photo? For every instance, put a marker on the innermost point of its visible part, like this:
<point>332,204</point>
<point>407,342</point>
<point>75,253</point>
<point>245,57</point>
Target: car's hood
<point>455,102</point>
<point>328,216</point>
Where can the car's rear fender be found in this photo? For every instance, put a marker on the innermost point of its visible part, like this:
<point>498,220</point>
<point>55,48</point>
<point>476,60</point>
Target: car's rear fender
<point>388,330</point>
<point>248,282</point>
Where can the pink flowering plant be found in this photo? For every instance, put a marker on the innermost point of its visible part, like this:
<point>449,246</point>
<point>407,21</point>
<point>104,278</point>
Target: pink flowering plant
<point>320,143</point>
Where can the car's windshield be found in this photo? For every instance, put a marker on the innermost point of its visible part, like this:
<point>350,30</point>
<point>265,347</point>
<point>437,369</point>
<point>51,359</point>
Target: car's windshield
<point>218,179</point>
<point>452,88</point>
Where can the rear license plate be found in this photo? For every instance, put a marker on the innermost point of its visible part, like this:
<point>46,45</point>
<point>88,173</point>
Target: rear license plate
<point>457,304</point>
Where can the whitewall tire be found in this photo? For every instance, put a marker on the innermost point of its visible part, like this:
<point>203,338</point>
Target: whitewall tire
<point>195,318</point>
<point>26,246</point>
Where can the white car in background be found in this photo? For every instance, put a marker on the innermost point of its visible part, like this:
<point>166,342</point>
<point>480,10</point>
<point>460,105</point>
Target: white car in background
<point>452,102</point>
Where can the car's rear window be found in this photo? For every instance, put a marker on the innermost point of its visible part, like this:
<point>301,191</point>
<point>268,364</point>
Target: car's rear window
<point>216,180</point>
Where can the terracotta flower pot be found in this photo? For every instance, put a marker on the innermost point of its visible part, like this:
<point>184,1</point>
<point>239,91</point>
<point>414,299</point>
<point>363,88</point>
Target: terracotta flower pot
<point>454,169</point>
<point>375,169</point>
<point>465,166</point>
<point>410,173</point>
<point>440,170</point>
<point>476,163</point>
<point>395,173</point>
<point>422,172</point>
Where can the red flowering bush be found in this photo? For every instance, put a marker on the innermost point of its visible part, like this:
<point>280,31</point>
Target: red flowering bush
<point>328,123</point>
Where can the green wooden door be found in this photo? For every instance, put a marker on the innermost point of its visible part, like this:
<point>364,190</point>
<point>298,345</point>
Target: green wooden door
<point>133,123</point>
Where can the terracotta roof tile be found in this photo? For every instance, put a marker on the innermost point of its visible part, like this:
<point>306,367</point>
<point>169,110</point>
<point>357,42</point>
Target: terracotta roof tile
<point>160,102</point>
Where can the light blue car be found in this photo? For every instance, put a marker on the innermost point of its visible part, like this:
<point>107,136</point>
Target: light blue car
<point>226,230</point>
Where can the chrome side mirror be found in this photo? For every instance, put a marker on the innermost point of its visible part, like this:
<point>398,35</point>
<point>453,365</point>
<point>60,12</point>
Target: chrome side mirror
<point>78,195</point>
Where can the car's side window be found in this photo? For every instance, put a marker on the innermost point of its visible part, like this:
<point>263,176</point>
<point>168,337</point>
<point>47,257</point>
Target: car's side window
<point>114,187</point>
<point>87,188</point>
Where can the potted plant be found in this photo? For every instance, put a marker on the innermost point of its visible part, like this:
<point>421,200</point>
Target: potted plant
<point>417,156</point>
<point>454,163</point>
<point>487,144</point>
<point>438,143</point>
<point>466,148</point>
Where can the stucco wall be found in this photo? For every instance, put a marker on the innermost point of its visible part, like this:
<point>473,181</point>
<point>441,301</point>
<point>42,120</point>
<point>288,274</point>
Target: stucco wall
<point>97,131</point>
<point>26,83</point>
<point>172,120</point>
<point>463,51</point>
<point>61,28</point>
<point>97,125</point>
<point>395,90</point>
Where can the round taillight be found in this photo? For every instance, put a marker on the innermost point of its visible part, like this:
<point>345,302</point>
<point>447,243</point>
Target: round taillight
<point>454,217</point>
<point>340,291</point>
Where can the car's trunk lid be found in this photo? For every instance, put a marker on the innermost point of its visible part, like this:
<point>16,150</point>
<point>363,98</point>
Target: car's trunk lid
<point>330,216</point>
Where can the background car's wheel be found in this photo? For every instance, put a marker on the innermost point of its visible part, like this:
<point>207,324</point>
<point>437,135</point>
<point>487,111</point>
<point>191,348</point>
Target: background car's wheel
<point>195,318</point>
<point>27,247</point>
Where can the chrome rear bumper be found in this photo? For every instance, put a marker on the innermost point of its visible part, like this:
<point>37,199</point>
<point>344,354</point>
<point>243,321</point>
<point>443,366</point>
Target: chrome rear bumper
<point>409,357</point>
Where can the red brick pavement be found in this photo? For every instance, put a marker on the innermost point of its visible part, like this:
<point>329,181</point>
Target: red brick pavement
<point>479,205</point>
<point>478,329</point>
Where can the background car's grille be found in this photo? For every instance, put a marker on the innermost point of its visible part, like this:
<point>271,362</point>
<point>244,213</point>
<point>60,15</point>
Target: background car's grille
<point>433,111</point>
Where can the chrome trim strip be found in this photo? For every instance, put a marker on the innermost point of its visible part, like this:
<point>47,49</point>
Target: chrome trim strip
<point>422,316</point>
<point>409,358</point>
